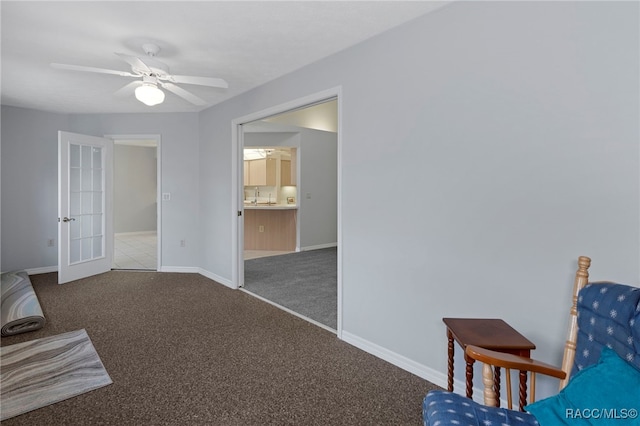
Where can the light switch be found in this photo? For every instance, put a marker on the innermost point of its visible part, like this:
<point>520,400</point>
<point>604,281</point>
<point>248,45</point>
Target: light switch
<point>166,196</point>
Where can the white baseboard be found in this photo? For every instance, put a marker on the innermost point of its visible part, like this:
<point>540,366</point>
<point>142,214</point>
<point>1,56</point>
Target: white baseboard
<point>42,270</point>
<point>196,270</point>
<point>398,360</point>
<point>217,278</point>
<point>181,269</point>
<point>284,308</point>
<point>121,234</point>
<point>434,376</point>
<point>319,246</point>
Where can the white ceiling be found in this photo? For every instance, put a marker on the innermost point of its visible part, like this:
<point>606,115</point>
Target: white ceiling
<point>247,43</point>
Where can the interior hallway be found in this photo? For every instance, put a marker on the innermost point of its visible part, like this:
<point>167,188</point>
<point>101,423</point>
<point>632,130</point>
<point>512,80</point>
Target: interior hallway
<point>137,250</point>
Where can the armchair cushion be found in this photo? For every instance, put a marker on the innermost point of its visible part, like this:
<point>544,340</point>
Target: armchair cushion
<point>607,317</point>
<point>608,390</point>
<point>441,408</point>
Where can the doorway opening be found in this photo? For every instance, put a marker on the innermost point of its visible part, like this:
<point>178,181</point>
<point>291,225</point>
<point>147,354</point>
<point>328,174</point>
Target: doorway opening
<point>270,195</point>
<point>306,213</point>
<point>136,213</point>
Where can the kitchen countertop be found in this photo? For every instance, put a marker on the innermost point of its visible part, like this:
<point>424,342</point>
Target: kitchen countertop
<point>260,206</point>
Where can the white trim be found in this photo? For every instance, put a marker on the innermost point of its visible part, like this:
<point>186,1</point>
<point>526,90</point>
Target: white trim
<point>298,147</point>
<point>181,269</point>
<point>339,167</point>
<point>217,278</point>
<point>42,270</point>
<point>434,376</point>
<point>237,202</point>
<point>427,373</point>
<point>284,308</point>
<point>308,100</point>
<point>236,178</point>
<point>129,139</point>
<point>319,246</point>
<point>122,234</point>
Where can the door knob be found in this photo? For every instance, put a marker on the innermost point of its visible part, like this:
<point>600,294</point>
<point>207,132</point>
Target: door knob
<point>66,219</point>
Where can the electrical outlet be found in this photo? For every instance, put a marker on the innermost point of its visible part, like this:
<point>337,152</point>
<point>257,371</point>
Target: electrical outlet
<point>51,242</point>
<point>261,228</point>
<point>183,243</point>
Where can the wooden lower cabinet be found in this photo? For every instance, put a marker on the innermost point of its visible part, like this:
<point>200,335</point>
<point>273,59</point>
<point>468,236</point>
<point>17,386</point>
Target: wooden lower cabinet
<point>279,229</point>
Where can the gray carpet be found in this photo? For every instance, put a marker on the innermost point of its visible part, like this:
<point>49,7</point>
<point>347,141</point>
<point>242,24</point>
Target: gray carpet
<point>184,350</point>
<point>305,282</point>
<point>48,370</point>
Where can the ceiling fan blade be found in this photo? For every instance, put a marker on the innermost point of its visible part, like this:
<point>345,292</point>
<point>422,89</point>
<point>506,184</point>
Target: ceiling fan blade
<point>134,61</point>
<point>128,89</point>
<point>92,69</point>
<point>201,81</point>
<point>183,94</point>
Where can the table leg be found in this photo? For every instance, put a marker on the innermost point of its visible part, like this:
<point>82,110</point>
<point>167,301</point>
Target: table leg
<point>450,367</point>
<point>470,362</point>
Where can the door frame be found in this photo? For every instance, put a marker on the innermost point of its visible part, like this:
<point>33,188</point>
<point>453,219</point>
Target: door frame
<point>158,140</point>
<point>237,213</point>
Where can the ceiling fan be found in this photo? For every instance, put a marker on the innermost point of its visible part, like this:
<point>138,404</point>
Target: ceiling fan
<point>153,73</point>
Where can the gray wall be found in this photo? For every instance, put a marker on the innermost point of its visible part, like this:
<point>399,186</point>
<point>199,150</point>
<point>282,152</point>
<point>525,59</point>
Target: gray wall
<point>179,156</point>
<point>319,179</point>
<point>29,181</point>
<point>484,147</point>
<point>29,187</point>
<point>134,189</point>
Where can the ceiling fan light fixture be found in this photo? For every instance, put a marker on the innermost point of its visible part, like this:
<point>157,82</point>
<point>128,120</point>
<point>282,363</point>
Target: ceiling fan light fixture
<point>149,94</point>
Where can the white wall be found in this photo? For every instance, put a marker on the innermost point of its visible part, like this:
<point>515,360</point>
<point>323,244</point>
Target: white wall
<point>485,147</point>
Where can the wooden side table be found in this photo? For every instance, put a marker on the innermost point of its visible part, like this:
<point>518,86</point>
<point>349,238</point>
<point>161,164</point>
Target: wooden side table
<point>494,334</point>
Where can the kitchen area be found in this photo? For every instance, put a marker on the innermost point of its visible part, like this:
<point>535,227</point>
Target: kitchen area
<point>270,200</point>
<point>289,189</point>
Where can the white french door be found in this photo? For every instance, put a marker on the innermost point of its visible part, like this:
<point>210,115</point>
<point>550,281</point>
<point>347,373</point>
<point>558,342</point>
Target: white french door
<point>85,232</point>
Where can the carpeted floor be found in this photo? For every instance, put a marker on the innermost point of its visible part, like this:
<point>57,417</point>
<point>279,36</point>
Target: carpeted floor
<point>305,282</point>
<point>184,350</point>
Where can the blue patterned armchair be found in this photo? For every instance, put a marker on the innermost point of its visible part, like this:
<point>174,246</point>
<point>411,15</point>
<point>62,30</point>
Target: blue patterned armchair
<point>600,371</point>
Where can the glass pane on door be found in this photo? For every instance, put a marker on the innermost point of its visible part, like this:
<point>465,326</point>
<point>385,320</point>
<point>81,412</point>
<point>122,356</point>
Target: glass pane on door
<point>86,198</point>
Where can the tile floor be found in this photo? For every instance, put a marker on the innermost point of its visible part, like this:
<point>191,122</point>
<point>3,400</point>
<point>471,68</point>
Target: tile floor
<point>136,250</point>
